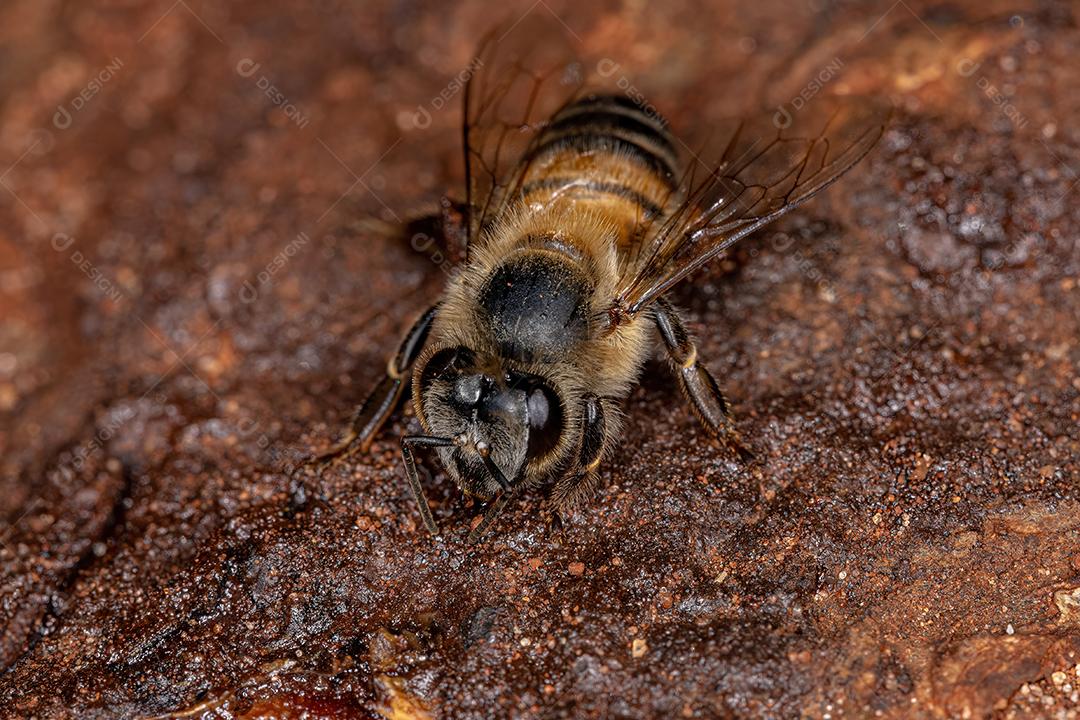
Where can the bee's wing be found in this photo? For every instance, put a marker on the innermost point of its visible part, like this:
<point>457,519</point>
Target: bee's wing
<point>758,171</point>
<point>524,71</point>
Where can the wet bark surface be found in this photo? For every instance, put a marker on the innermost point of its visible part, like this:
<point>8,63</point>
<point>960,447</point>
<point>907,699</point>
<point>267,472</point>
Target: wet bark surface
<point>191,303</point>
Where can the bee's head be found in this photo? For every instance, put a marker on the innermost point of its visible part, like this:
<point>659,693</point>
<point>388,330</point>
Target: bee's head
<point>489,410</point>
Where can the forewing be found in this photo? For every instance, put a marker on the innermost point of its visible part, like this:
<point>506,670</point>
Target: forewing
<point>751,174</point>
<point>523,73</point>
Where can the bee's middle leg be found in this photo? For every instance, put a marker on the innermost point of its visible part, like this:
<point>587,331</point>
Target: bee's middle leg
<point>698,385</point>
<point>383,399</point>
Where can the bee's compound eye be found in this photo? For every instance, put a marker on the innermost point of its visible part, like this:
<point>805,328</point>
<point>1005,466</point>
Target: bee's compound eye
<point>545,420</point>
<point>539,409</point>
<point>443,364</point>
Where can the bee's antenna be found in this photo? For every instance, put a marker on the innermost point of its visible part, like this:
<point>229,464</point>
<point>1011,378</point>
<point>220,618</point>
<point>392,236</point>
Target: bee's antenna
<point>414,480</point>
<point>496,507</point>
<point>492,514</point>
<point>485,454</point>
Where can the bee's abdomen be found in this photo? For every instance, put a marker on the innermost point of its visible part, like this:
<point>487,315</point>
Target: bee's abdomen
<point>611,123</point>
<point>607,150</point>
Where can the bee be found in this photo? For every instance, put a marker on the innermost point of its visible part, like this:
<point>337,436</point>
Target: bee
<point>583,210</point>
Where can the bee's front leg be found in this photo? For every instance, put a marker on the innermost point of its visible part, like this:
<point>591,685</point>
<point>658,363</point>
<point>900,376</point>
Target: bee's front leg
<point>579,482</point>
<point>381,402</point>
<point>697,383</point>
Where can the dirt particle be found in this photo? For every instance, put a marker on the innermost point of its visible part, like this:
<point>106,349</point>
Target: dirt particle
<point>639,647</point>
<point>8,396</point>
<point>1068,604</point>
<point>576,569</point>
<point>398,703</point>
<point>1058,352</point>
<point>922,467</point>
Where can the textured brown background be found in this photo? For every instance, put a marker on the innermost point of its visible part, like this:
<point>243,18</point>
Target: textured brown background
<point>902,353</point>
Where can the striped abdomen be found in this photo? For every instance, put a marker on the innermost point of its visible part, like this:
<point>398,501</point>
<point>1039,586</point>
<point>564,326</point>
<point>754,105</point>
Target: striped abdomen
<point>606,154</point>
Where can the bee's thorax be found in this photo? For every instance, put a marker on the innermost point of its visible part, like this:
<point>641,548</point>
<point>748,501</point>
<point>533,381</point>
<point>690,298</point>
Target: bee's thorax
<point>536,303</point>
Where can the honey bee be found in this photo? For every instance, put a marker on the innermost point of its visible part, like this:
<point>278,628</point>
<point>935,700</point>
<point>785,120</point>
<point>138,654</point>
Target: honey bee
<point>583,209</point>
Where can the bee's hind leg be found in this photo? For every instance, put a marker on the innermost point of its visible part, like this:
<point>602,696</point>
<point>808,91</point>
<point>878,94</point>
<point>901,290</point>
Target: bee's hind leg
<point>381,402</point>
<point>697,383</point>
<point>441,235</point>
